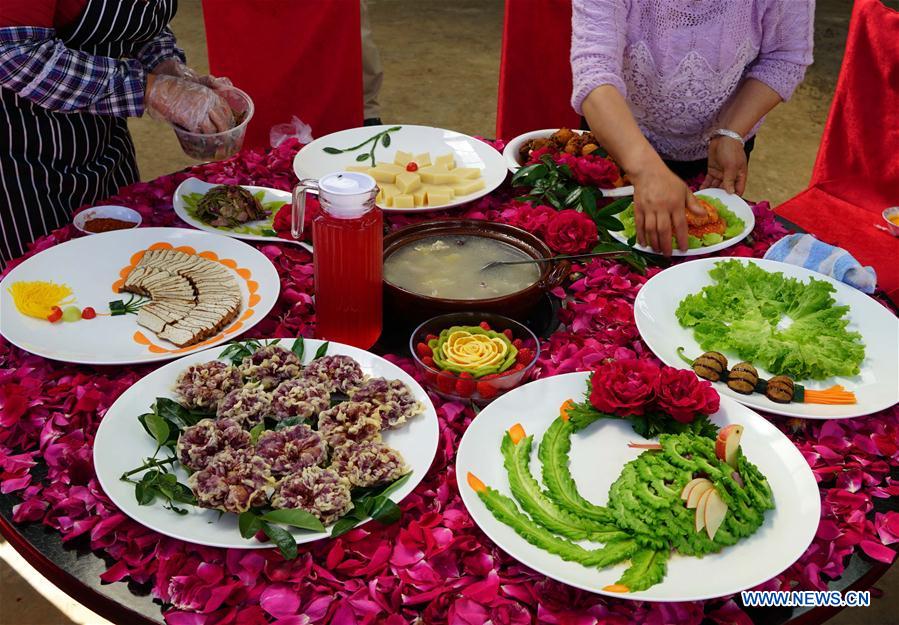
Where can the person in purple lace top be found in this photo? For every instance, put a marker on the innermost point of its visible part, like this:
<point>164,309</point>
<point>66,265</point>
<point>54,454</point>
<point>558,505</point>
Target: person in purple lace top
<point>680,86</point>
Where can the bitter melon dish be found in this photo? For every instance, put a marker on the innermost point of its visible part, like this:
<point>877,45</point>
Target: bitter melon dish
<point>687,494</point>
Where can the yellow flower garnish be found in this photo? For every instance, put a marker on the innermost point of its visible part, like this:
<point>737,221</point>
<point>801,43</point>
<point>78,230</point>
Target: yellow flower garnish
<point>36,299</point>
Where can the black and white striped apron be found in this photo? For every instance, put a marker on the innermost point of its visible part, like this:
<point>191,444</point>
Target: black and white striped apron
<point>56,162</point>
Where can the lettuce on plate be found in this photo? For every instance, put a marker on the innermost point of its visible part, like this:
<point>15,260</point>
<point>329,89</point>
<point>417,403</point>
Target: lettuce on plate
<point>735,225</point>
<point>779,323</point>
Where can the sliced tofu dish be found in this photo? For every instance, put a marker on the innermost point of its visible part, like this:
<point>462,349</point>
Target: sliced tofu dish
<point>193,298</point>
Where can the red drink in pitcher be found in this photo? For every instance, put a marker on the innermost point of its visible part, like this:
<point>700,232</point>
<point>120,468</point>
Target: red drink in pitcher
<point>348,244</point>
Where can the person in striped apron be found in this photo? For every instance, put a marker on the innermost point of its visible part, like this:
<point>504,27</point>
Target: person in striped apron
<point>71,73</point>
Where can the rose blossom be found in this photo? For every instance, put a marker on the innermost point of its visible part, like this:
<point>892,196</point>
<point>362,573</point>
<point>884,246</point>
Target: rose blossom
<point>682,395</point>
<point>624,387</point>
<point>571,232</point>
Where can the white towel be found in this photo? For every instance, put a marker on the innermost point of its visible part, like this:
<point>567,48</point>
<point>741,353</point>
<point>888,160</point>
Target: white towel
<point>807,251</point>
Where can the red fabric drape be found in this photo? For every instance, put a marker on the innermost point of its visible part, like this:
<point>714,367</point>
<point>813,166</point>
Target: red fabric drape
<point>294,57</point>
<point>535,72</point>
<point>856,173</point>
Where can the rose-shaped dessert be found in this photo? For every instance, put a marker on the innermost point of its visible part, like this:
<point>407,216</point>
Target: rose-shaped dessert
<point>624,387</point>
<point>349,421</point>
<point>571,232</point>
<point>336,373</point>
<point>474,350</point>
<point>302,398</point>
<point>393,401</point>
<point>291,449</point>
<point>204,385</point>
<point>682,395</point>
<point>198,443</point>
<point>369,463</point>
<point>322,492</point>
<point>247,405</point>
<point>270,365</point>
<point>233,481</point>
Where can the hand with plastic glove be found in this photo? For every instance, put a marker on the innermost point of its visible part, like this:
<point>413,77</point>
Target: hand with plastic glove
<point>174,67</point>
<point>193,106</point>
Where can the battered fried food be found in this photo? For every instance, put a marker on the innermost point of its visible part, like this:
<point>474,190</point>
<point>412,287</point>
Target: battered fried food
<point>711,222</point>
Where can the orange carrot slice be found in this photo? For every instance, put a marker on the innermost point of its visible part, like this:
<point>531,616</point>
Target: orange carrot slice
<point>835,395</point>
<point>563,410</point>
<point>616,588</point>
<point>516,433</point>
<point>654,446</point>
<point>476,485</point>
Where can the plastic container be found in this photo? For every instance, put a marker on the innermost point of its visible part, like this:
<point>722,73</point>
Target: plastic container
<point>484,389</point>
<point>892,227</point>
<point>219,145</point>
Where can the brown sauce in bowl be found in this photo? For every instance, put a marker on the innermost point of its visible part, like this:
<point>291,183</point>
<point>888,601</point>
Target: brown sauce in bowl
<point>107,224</point>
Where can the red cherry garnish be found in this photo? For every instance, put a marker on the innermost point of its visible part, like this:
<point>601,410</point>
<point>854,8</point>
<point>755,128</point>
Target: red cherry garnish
<point>412,166</point>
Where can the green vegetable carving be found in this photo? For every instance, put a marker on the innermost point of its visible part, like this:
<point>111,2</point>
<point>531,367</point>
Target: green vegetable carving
<point>646,517</point>
<point>779,323</point>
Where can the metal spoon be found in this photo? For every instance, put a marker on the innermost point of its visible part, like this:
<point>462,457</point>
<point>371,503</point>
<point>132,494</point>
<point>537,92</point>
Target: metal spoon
<point>497,263</point>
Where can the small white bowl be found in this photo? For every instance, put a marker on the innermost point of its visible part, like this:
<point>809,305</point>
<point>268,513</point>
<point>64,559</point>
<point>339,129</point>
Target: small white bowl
<point>513,160</point>
<point>893,228</point>
<point>110,212</point>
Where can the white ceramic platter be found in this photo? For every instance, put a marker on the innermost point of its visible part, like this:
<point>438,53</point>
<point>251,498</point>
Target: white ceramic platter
<point>195,185</point>
<point>875,386</point>
<point>734,202</point>
<point>312,161</point>
<point>93,266</point>
<point>121,444</point>
<point>598,454</point>
<point>513,148</point>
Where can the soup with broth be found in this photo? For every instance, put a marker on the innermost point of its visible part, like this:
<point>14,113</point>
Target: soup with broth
<point>449,267</point>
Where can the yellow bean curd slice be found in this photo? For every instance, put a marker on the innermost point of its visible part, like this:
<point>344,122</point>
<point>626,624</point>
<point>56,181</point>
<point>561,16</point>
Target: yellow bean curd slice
<point>468,187</point>
<point>402,158</point>
<point>407,182</point>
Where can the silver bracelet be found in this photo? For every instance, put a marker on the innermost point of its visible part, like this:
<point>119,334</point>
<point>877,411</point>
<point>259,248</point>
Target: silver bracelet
<point>724,132</point>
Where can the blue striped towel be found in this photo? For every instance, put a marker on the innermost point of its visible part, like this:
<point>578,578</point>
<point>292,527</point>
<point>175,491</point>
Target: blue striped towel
<point>807,251</point>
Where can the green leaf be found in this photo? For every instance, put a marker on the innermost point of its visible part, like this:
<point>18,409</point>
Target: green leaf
<point>344,525</point>
<point>282,538</point>
<point>574,196</point>
<point>385,140</point>
<point>632,240</point>
<point>618,206</point>
<point>256,430</point>
<point>158,428</point>
<point>321,351</point>
<point>266,232</point>
<point>385,511</point>
<point>394,128</point>
<point>289,422</point>
<point>143,494</point>
<point>299,347</point>
<point>295,518</point>
<point>249,523</point>
<point>588,202</point>
<point>610,223</point>
<point>363,157</point>
<point>396,484</point>
<point>333,150</point>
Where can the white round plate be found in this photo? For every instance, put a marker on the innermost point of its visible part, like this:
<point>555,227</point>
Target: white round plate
<point>734,202</point>
<point>513,147</point>
<point>121,444</point>
<point>93,266</point>
<point>313,162</point>
<point>875,387</point>
<point>598,454</point>
<point>195,185</point>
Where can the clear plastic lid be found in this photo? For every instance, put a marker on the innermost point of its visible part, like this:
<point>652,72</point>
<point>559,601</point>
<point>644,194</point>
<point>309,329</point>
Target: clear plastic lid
<point>347,194</point>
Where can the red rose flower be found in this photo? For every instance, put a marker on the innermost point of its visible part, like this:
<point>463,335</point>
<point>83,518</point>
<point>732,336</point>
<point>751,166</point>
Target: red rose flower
<point>281,223</point>
<point>534,219</point>
<point>570,232</point>
<point>624,387</point>
<point>682,395</point>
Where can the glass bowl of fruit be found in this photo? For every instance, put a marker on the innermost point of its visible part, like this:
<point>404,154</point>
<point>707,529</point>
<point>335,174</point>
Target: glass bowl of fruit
<point>473,356</point>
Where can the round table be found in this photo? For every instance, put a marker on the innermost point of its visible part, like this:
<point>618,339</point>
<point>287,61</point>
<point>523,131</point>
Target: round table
<point>434,563</point>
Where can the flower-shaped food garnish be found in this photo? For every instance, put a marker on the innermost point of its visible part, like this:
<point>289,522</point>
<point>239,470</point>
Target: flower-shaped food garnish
<point>474,350</point>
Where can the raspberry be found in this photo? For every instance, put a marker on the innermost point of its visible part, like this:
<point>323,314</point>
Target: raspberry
<point>465,385</point>
<point>509,334</point>
<point>486,390</point>
<point>484,325</point>
<point>446,382</point>
<point>525,356</point>
<point>423,350</point>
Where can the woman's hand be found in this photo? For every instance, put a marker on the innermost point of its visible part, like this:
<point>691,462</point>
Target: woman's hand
<point>728,166</point>
<point>192,106</point>
<point>174,67</point>
<point>659,201</point>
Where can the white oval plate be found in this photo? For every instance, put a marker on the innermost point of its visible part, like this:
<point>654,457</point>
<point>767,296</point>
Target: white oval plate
<point>121,444</point>
<point>510,155</point>
<point>92,265</point>
<point>313,162</point>
<point>875,386</point>
<point>598,454</point>
<point>734,202</point>
<point>195,185</point>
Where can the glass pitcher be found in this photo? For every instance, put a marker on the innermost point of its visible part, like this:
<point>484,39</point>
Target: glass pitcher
<point>348,243</point>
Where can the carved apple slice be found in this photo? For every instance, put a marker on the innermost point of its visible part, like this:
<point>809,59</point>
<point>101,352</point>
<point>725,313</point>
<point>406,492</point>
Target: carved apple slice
<point>727,444</point>
<point>697,492</point>
<point>685,494</point>
<point>715,510</point>
<point>700,508</point>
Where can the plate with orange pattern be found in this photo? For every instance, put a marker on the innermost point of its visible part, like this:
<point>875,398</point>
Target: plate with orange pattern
<point>93,269</point>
